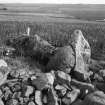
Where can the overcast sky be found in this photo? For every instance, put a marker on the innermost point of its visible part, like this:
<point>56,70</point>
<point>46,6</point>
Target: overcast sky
<point>55,1</point>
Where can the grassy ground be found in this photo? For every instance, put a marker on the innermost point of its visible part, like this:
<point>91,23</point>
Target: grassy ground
<point>55,23</point>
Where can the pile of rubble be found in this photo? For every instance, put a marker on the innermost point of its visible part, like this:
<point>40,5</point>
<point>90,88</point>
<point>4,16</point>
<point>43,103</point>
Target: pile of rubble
<point>68,78</point>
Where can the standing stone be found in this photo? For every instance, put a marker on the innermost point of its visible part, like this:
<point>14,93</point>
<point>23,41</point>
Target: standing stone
<point>83,53</point>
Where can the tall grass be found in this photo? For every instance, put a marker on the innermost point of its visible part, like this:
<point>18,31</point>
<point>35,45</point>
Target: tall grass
<point>58,33</point>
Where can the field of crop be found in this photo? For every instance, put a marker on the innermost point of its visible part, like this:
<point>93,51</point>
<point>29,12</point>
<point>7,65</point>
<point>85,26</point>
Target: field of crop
<point>55,23</point>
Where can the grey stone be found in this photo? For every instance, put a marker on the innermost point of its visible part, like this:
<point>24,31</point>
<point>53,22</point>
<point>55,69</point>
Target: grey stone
<point>83,54</point>
<point>64,60</point>
<point>29,91</point>
<point>95,98</point>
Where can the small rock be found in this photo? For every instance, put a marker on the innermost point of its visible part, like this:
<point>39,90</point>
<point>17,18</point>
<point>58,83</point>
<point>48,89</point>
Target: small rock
<point>14,74</point>
<point>1,102</point>
<point>38,97</point>
<point>73,94</point>
<point>26,99</point>
<point>45,101</point>
<point>7,93</point>
<point>16,95</point>
<point>95,98</point>
<point>21,101</point>
<point>31,103</point>
<point>78,102</point>
<point>66,101</point>
<point>43,80</point>
<point>85,88</point>
<point>1,93</point>
<point>102,74</point>
<point>3,63</point>
<point>98,78</point>
<point>52,97</point>
<point>12,102</point>
<point>17,87</point>
<point>100,86</point>
<point>62,77</point>
<point>29,91</point>
<point>61,90</point>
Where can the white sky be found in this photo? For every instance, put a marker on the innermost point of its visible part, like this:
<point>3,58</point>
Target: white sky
<point>55,1</point>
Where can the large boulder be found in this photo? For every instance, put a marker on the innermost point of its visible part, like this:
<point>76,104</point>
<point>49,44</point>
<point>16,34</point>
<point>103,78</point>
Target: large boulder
<point>95,98</point>
<point>83,53</point>
<point>64,60</point>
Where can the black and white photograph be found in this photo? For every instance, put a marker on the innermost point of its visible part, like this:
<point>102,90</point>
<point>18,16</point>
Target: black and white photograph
<point>52,52</point>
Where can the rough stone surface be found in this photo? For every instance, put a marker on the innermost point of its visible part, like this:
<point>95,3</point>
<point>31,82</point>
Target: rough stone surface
<point>3,63</point>
<point>29,91</point>
<point>64,60</point>
<point>83,54</point>
<point>1,102</point>
<point>52,97</point>
<point>62,78</point>
<point>31,103</point>
<point>73,95</point>
<point>95,98</point>
<point>78,102</point>
<point>38,97</point>
<point>43,80</point>
<point>12,102</point>
<point>85,88</point>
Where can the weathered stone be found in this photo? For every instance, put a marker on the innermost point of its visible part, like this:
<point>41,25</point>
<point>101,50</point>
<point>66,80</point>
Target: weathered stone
<point>95,98</point>
<point>63,60</point>
<point>31,103</point>
<point>38,97</point>
<point>52,97</point>
<point>102,74</point>
<point>62,78</point>
<point>12,102</point>
<point>1,102</point>
<point>14,74</point>
<point>29,91</point>
<point>98,77</point>
<point>3,63</point>
<point>44,99</point>
<point>21,101</point>
<point>1,93</point>
<point>85,88</point>
<point>26,99</point>
<point>100,86</point>
<point>16,95</point>
<point>61,91</point>
<point>43,80</point>
<point>4,71</point>
<point>78,102</point>
<point>73,95</point>
<point>83,53</point>
<point>7,93</point>
<point>66,101</point>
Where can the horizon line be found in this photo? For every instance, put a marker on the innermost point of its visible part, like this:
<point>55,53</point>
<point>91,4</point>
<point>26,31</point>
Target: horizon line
<point>52,3</point>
